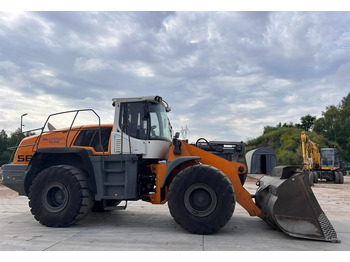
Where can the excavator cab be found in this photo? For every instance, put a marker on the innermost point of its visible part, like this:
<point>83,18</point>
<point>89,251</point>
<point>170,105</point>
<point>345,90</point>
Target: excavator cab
<point>329,158</point>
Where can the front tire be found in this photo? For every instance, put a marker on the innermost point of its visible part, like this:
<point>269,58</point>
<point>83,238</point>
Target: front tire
<point>201,199</point>
<point>311,178</point>
<point>59,196</point>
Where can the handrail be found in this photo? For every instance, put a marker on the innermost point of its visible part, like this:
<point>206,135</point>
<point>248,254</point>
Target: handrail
<point>68,131</point>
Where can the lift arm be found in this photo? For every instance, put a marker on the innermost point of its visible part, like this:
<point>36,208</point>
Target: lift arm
<point>230,169</point>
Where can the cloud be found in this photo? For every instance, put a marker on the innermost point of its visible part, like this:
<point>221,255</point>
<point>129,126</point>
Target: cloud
<point>90,65</point>
<point>8,67</point>
<point>226,75</point>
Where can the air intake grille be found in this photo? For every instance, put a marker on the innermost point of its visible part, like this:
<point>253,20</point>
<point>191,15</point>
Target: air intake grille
<point>118,145</point>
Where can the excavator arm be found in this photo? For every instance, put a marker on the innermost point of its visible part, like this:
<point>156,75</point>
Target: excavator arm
<point>310,149</point>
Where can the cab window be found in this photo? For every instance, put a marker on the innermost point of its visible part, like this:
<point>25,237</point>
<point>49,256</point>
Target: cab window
<point>90,138</point>
<point>144,121</point>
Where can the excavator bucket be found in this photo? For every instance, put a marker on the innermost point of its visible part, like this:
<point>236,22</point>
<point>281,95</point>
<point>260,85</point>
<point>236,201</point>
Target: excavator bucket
<point>288,203</point>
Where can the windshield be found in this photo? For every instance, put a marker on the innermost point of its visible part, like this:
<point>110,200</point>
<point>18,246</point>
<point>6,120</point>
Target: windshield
<point>330,157</point>
<point>144,120</point>
<point>160,128</point>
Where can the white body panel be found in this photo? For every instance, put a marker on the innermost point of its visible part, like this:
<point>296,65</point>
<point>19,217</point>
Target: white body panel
<point>149,149</point>
<point>122,143</point>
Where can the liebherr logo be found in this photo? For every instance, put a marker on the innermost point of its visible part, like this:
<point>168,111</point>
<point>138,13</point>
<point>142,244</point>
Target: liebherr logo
<point>54,140</point>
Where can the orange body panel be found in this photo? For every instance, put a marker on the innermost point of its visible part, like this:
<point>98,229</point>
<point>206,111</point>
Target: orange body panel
<point>230,169</point>
<point>25,150</point>
<point>57,138</point>
<point>160,171</point>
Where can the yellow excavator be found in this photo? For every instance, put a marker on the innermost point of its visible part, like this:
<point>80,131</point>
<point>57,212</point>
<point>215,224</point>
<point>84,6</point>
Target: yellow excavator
<point>68,172</point>
<point>320,163</point>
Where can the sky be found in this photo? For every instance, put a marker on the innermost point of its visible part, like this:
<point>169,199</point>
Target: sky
<point>225,74</point>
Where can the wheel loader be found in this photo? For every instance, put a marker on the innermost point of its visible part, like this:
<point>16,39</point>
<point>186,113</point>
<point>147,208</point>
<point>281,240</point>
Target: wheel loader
<point>68,172</point>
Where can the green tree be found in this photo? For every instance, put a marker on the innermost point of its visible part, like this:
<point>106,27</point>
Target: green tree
<point>4,153</point>
<point>3,134</point>
<point>285,141</point>
<point>329,124</point>
<point>307,122</point>
<point>6,142</point>
<point>331,130</point>
<point>335,126</point>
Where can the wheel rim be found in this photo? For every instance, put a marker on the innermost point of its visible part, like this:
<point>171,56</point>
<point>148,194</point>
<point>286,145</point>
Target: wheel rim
<point>200,200</point>
<point>55,197</point>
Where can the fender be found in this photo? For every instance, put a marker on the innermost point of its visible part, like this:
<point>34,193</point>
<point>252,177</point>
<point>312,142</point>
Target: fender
<point>46,157</point>
<point>171,166</point>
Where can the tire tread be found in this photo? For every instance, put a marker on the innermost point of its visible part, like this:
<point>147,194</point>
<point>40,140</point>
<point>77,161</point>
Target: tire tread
<point>78,182</point>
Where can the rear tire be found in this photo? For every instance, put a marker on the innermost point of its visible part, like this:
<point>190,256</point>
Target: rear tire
<point>201,199</point>
<point>59,196</point>
<point>336,178</point>
<point>340,178</point>
<point>315,177</point>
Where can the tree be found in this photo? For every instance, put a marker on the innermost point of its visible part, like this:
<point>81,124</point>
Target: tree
<point>6,142</point>
<point>307,122</point>
<point>285,141</point>
<point>329,124</point>
<point>3,134</point>
<point>330,130</point>
<point>335,125</point>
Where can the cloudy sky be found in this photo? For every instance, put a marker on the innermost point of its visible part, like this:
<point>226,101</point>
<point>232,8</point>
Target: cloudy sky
<point>226,75</point>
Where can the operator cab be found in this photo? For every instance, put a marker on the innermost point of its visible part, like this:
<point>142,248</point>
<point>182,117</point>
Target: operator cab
<point>142,127</point>
<point>330,157</point>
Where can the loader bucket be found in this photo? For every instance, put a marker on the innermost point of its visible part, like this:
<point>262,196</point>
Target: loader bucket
<point>288,203</point>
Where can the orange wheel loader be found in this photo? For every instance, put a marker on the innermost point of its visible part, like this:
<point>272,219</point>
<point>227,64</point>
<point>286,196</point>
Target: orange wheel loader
<point>68,172</point>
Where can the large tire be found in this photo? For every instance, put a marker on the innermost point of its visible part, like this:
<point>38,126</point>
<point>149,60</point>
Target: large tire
<point>341,178</point>
<point>201,199</point>
<point>311,178</point>
<point>59,196</point>
<point>336,178</point>
<point>315,177</point>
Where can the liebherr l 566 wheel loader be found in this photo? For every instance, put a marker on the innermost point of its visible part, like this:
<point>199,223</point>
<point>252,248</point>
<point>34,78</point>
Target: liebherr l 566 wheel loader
<point>66,173</point>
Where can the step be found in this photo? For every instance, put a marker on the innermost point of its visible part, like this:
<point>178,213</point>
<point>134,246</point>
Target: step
<point>114,183</point>
<point>114,170</point>
<point>117,207</point>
